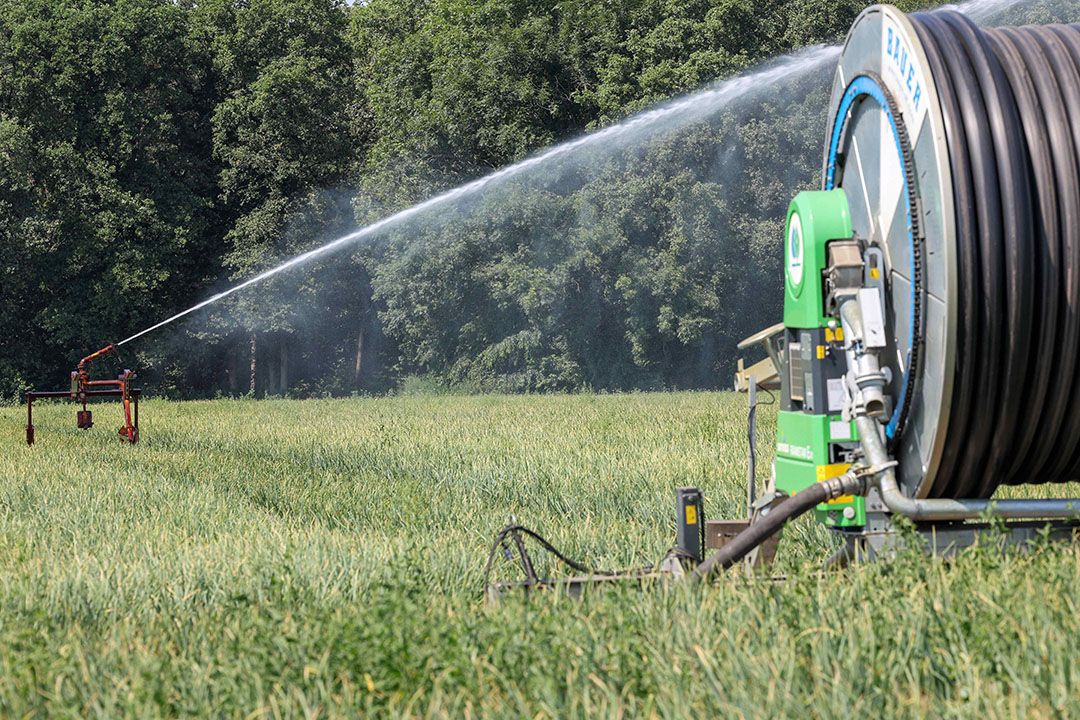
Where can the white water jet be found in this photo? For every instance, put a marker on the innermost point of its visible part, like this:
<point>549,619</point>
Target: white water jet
<point>675,114</point>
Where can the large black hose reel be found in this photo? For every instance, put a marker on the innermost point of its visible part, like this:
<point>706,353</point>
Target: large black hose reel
<point>1015,152</point>
<point>958,148</point>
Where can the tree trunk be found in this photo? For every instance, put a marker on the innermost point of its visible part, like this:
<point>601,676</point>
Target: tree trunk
<point>361,337</point>
<point>359,357</point>
<point>283,365</point>
<point>254,349</point>
<point>234,368</point>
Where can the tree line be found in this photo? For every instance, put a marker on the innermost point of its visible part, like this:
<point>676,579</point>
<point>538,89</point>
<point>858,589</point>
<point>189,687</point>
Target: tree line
<point>153,152</point>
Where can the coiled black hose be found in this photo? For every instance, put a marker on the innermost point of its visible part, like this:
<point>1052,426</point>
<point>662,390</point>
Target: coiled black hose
<point>1010,98</point>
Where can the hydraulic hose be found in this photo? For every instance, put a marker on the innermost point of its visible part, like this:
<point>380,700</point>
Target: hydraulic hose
<point>768,525</point>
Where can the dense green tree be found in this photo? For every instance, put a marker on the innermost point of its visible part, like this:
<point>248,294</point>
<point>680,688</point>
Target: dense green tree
<point>107,217</point>
<point>154,151</point>
<point>282,134</point>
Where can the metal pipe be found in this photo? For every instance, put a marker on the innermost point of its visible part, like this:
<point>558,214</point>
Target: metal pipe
<point>95,355</point>
<point>939,509</point>
<point>862,363</point>
<point>49,394</point>
<point>751,437</point>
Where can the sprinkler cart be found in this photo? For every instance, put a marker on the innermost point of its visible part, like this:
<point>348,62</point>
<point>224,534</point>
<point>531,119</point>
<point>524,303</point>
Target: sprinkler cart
<point>84,389</point>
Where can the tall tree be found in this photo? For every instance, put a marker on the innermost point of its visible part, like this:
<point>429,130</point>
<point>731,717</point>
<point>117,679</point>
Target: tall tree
<point>104,122</point>
<point>283,135</point>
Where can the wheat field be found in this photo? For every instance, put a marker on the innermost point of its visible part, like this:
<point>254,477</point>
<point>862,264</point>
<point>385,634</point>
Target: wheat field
<point>324,558</point>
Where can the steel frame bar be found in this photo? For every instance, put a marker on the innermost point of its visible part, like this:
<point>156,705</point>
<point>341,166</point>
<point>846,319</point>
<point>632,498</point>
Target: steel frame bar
<point>120,392</point>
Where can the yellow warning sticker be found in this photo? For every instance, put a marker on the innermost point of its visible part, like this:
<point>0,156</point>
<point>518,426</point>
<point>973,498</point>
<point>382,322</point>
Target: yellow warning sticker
<point>824,472</point>
<point>691,515</point>
<point>842,500</point>
<point>875,273</point>
<point>820,352</point>
<point>829,336</point>
<point>839,334</point>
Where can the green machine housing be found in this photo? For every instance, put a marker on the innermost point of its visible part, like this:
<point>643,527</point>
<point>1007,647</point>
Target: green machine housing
<point>813,441</point>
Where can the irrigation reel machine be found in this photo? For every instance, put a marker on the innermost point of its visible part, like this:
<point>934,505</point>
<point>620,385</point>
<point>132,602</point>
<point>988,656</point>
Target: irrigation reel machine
<point>930,345</point>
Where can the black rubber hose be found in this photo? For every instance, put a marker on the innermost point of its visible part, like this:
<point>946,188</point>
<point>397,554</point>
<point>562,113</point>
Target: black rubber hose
<point>988,236</point>
<point>1008,98</point>
<point>981,265</point>
<point>740,546</point>
<point>1033,91</point>
<point>1015,260</point>
<point>515,531</point>
<point>1054,79</point>
<point>964,197</point>
<point>1062,46</point>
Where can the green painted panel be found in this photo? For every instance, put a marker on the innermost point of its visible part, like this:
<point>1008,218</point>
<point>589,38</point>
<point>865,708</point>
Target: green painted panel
<point>814,218</point>
<point>802,458</point>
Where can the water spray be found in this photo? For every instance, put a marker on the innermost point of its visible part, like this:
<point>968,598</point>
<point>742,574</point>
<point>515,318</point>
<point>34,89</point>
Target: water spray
<point>677,113</point>
<point>681,112</point>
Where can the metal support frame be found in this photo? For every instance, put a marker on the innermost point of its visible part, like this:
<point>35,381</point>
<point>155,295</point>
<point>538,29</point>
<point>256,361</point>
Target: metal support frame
<point>574,586</point>
<point>947,539</point>
<point>32,395</point>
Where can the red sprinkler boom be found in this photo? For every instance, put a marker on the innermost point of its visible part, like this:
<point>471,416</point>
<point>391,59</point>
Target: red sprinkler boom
<point>83,389</point>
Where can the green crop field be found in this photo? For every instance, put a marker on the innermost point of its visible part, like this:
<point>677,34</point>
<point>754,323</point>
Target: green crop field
<point>325,558</point>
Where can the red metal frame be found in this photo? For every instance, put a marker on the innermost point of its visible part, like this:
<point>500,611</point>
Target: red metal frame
<point>84,389</point>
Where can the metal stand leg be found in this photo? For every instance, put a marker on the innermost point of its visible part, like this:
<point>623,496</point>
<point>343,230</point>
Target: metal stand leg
<point>751,468</point>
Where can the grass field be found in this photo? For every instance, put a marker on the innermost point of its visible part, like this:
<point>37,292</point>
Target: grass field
<point>324,559</point>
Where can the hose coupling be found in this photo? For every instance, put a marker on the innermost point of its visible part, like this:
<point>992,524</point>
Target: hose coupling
<point>856,481</point>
